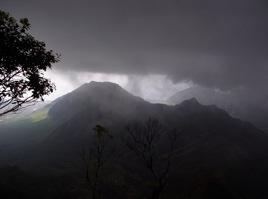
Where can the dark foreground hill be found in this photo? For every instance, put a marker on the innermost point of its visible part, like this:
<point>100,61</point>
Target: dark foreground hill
<point>215,156</point>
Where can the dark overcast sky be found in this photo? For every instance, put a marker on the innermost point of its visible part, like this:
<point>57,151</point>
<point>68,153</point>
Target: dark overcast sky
<point>215,43</point>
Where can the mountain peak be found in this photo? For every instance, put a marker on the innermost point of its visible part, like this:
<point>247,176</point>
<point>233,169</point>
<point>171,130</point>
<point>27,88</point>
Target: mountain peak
<point>192,102</point>
<point>94,87</point>
<point>92,96</point>
<point>94,84</point>
<point>190,105</point>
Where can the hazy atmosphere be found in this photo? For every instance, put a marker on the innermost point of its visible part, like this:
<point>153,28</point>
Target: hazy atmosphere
<point>133,99</point>
<point>213,43</point>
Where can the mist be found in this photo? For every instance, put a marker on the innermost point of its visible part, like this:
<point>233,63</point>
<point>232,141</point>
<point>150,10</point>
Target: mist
<point>214,44</point>
<point>154,88</point>
<point>103,99</point>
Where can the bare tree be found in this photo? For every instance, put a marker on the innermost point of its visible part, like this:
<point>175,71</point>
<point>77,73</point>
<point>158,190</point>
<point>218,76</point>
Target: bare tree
<point>95,158</point>
<point>145,141</point>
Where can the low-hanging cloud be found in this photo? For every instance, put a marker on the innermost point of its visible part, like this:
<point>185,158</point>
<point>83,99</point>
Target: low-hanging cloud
<point>154,88</point>
<point>214,43</point>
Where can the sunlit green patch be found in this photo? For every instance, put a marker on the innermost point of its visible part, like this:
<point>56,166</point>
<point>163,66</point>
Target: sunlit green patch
<point>39,115</point>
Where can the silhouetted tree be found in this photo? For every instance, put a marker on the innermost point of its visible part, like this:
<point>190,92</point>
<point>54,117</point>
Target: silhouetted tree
<point>95,158</point>
<point>145,141</point>
<point>23,59</point>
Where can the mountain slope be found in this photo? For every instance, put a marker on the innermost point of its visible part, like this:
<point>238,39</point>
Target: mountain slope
<point>111,106</point>
<point>239,103</point>
<point>216,154</point>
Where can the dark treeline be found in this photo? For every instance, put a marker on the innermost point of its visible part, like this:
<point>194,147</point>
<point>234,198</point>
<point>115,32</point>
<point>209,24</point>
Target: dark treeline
<point>144,162</point>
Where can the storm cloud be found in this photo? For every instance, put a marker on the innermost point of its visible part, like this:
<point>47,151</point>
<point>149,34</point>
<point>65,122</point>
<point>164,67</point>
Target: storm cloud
<point>215,43</point>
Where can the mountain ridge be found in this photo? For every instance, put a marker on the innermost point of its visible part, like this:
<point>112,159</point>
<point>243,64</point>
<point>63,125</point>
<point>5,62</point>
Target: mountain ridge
<point>211,143</point>
<point>238,103</point>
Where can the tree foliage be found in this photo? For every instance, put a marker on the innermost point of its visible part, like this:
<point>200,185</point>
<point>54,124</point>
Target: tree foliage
<point>23,60</point>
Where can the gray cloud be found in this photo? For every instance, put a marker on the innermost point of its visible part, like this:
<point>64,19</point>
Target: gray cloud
<point>214,43</point>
